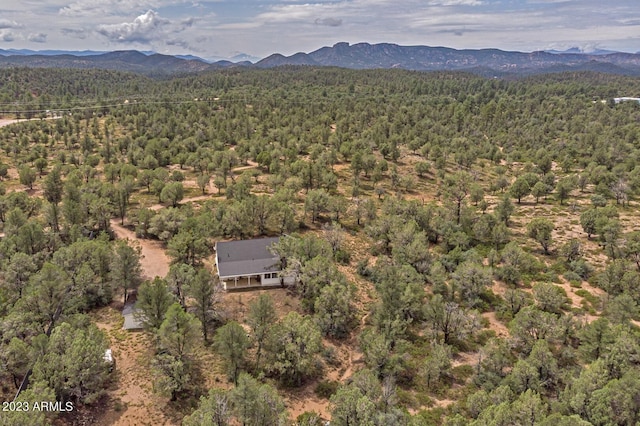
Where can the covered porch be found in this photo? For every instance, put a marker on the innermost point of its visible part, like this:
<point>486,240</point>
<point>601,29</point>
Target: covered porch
<point>251,281</point>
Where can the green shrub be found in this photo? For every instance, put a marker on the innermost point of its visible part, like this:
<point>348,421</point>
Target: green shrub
<point>581,268</point>
<point>431,417</point>
<point>558,267</point>
<point>342,256</point>
<point>588,296</point>
<point>483,336</point>
<point>406,398</point>
<point>362,268</point>
<point>462,372</point>
<point>309,418</point>
<point>326,388</point>
<point>572,277</point>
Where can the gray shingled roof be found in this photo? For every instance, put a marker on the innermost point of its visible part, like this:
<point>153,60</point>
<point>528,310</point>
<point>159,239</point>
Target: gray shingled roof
<point>130,320</point>
<point>246,257</point>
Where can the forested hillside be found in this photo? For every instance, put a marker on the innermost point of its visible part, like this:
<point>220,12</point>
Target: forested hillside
<point>466,250</point>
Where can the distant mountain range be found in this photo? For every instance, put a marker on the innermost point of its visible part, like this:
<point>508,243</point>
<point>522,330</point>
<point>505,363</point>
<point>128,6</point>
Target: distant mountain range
<point>125,60</point>
<point>238,57</point>
<point>483,61</point>
<point>488,62</point>
<point>28,52</point>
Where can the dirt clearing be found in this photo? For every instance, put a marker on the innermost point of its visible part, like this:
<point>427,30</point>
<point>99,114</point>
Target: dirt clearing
<point>131,399</point>
<point>155,261</point>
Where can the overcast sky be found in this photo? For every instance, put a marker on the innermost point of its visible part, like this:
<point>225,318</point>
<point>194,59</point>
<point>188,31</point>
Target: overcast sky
<point>223,28</point>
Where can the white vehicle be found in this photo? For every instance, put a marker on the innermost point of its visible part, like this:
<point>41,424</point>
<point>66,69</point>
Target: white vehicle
<point>108,358</point>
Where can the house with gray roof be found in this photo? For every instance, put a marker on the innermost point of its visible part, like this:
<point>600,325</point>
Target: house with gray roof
<point>249,264</point>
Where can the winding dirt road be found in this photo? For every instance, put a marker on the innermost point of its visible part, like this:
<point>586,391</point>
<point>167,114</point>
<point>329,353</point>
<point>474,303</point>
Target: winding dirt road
<point>8,121</point>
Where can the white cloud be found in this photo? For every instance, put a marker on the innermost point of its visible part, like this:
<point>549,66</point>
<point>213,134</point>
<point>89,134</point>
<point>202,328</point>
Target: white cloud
<point>235,26</point>
<point>149,29</point>
<point>184,45</point>
<point>6,36</point>
<point>79,33</point>
<point>37,38</point>
<point>97,7</point>
<point>292,12</point>
<point>143,29</point>
<point>456,2</point>
<point>548,1</point>
<point>89,8</point>
<point>329,22</point>
<point>375,12</point>
<point>6,23</point>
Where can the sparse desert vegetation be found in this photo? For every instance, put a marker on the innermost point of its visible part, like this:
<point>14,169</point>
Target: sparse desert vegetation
<point>466,249</point>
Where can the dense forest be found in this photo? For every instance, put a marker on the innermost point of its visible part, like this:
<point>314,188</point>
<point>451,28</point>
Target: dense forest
<point>435,285</point>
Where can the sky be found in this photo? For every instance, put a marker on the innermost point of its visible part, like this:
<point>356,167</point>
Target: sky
<point>214,29</point>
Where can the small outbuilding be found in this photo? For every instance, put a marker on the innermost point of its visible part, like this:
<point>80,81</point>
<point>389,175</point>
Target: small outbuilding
<point>249,264</point>
<point>130,320</point>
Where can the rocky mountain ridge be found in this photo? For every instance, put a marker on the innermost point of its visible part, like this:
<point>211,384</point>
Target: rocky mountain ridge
<point>488,62</point>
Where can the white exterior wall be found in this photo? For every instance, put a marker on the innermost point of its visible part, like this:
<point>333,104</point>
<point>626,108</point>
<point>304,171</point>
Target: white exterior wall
<point>270,281</point>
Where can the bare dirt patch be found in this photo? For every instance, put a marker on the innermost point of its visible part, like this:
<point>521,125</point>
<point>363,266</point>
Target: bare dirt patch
<point>576,300</point>
<point>499,288</point>
<point>155,261</point>
<point>195,199</point>
<point>496,325</point>
<point>465,358</point>
<point>304,399</point>
<point>130,399</point>
<point>443,403</point>
<point>236,303</point>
